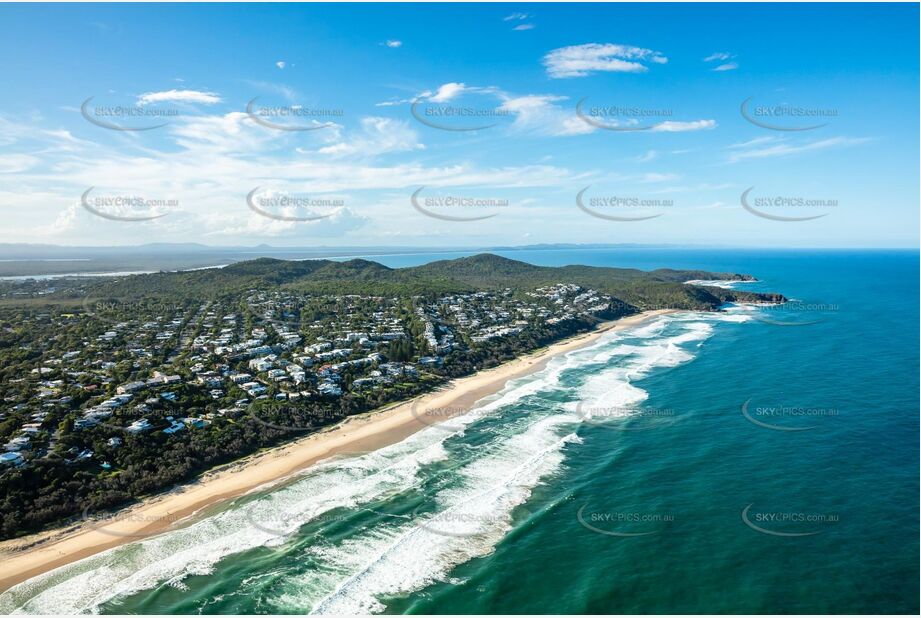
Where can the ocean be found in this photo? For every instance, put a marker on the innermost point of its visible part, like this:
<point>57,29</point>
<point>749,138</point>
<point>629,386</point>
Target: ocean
<point>759,460</point>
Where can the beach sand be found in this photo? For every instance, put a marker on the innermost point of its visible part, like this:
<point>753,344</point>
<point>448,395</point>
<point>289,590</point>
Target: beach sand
<point>24,558</point>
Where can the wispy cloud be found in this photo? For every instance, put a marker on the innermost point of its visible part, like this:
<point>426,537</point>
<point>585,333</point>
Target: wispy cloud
<point>393,43</point>
<point>757,141</point>
<point>704,186</point>
<point>718,56</point>
<point>393,102</point>
<point>448,91</point>
<point>780,147</point>
<point>676,126</point>
<point>443,94</point>
<point>722,57</point>
<point>540,114</point>
<point>535,114</point>
<point>281,89</point>
<point>582,60</point>
<point>14,163</point>
<point>377,136</point>
<point>179,96</point>
<point>520,17</point>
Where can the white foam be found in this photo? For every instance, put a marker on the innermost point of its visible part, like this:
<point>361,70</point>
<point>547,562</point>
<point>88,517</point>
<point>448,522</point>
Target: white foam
<point>472,518</point>
<point>194,550</point>
<point>717,283</point>
<point>613,386</point>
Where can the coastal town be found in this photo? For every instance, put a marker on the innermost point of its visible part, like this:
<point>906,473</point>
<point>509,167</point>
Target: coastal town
<point>108,375</point>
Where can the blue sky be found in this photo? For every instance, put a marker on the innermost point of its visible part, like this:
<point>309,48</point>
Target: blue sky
<point>674,75</point>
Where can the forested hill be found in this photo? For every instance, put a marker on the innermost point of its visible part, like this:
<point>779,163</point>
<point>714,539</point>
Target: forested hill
<point>636,288</point>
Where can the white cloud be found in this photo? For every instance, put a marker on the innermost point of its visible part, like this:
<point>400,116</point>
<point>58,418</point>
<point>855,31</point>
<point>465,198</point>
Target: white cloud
<point>65,221</point>
<point>231,132</point>
<point>15,163</point>
<point>675,126</point>
<point>524,27</point>
<point>393,43</point>
<point>281,64</point>
<point>516,17</point>
<point>339,223</point>
<point>757,141</point>
<point>393,102</point>
<point>379,135</point>
<point>582,60</point>
<point>649,155</point>
<point>286,91</point>
<point>658,177</point>
<point>704,186</point>
<point>448,91</point>
<point>782,147</point>
<point>179,96</point>
<point>718,56</point>
<point>722,57</point>
<point>539,114</point>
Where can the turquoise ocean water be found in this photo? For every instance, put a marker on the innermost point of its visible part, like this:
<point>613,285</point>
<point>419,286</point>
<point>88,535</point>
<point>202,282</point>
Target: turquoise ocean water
<point>758,460</point>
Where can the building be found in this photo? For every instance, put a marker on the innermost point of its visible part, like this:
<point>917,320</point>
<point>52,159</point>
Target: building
<point>12,459</point>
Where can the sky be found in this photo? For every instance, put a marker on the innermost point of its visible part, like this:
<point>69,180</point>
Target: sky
<point>759,125</point>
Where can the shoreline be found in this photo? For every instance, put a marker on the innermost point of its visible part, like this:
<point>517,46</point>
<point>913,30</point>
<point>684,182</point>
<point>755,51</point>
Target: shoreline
<point>33,555</point>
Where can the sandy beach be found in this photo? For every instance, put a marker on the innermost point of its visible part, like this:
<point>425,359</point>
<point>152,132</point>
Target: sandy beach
<point>27,557</point>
